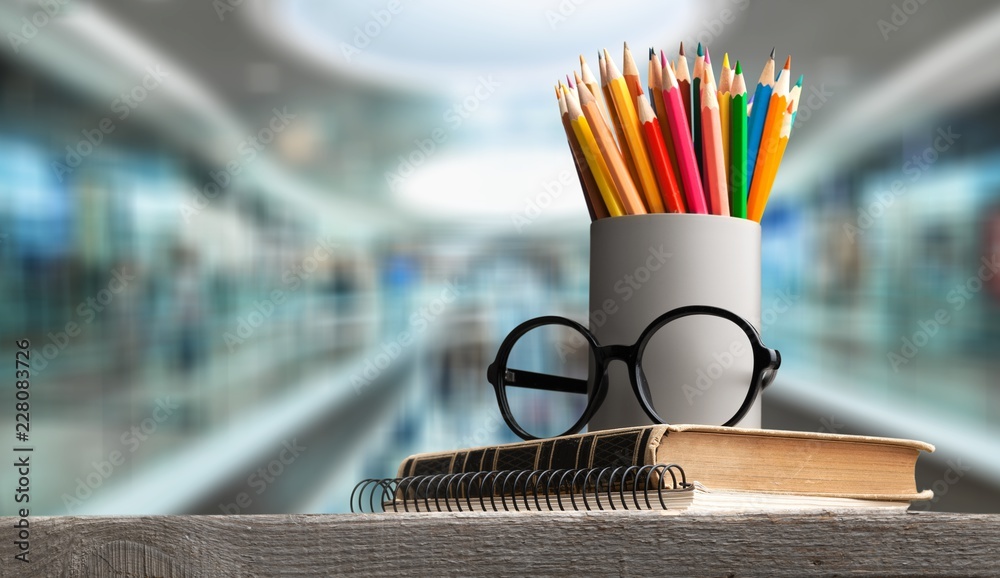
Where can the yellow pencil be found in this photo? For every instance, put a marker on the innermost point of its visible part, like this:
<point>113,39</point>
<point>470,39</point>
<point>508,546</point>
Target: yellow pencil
<point>591,191</point>
<point>592,154</point>
<point>623,103</point>
<point>725,83</point>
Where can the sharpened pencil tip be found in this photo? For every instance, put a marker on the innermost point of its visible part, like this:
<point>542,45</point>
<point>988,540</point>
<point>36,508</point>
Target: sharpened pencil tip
<point>725,60</point>
<point>772,53</point>
<point>663,60</point>
<point>739,69</point>
<point>681,51</point>
<point>569,81</point>
<point>788,62</point>
<point>701,51</point>
<point>708,58</point>
<point>600,56</point>
<point>798,83</point>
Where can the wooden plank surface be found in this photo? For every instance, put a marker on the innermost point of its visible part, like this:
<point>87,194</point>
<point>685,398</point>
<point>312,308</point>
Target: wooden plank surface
<point>536,544</point>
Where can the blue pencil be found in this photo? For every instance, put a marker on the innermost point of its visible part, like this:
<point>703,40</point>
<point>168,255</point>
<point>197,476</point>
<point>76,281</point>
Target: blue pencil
<point>755,125</point>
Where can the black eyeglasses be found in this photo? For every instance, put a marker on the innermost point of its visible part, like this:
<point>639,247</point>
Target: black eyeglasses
<point>540,391</point>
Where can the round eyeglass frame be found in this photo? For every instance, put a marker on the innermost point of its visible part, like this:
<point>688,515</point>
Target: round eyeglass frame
<point>766,362</point>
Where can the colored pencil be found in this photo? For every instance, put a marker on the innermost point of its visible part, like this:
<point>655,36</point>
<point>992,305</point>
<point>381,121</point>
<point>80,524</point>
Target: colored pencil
<point>656,73</point>
<point>651,67</point>
<point>738,146</point>
<point>570,138</point>
<point>570,85</point>
<point>623,96</point>
<point>681,142</point>
<point>631,202</point>
<point>726,74</point>
<point>725,81</point>
<point>592,153</point>
<point>587,77</point>
<point>696,79</point>
<point>715,163</point>
<point>591,191</point>
<point>616,120</point>
<point>687,165</point>
<point>758,113</point>
<point>794,96</point>
<point>630,72</point>
<point>774,163</point>
<point>769,142</point>
<point>684,81</point>
<point>665,176</point>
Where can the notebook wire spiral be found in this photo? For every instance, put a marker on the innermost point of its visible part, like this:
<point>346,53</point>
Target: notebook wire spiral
<point>625,487</point>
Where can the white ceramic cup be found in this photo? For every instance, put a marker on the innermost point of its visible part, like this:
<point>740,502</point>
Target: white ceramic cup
<point>642,266</point>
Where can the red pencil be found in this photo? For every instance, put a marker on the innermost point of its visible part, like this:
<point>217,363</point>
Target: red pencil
<point>665,177</point>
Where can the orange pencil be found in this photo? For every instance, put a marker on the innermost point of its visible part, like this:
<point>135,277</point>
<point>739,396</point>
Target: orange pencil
<point>773,163</point>
<point>665,175</point>
<point>631,74</point>
<point>624,185</point>
<point>587,77</point>
<point>769,141</point>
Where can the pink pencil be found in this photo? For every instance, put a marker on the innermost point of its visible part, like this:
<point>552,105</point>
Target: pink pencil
<point>711,133</point>
<point>681,133</point>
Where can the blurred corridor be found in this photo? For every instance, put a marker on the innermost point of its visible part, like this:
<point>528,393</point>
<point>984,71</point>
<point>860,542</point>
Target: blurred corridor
<point>270,248</point>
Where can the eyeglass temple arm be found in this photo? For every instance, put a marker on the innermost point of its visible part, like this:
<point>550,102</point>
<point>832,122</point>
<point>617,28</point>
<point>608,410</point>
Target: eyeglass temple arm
<point>532,380</point>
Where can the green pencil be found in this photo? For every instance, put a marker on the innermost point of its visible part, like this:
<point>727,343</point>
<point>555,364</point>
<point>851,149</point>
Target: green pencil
<point>699,71</point>
<point>738,146</point>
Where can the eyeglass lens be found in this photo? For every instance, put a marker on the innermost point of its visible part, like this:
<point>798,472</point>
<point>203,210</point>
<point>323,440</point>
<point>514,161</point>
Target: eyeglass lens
<point>538,356</point>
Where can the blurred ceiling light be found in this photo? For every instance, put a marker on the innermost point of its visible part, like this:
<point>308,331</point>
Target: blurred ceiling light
<point>300,143</point>
<point>529,186</point>
<point>435,43</point>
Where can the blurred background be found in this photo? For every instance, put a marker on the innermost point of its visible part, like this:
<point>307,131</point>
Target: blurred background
<point>217,218</point>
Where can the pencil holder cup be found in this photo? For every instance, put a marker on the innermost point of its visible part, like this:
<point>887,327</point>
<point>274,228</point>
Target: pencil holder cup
<point>698,368</point>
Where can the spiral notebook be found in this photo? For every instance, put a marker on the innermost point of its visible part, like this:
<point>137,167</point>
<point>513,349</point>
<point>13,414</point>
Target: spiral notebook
<point>663,487</point>
<point>721,458</point>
